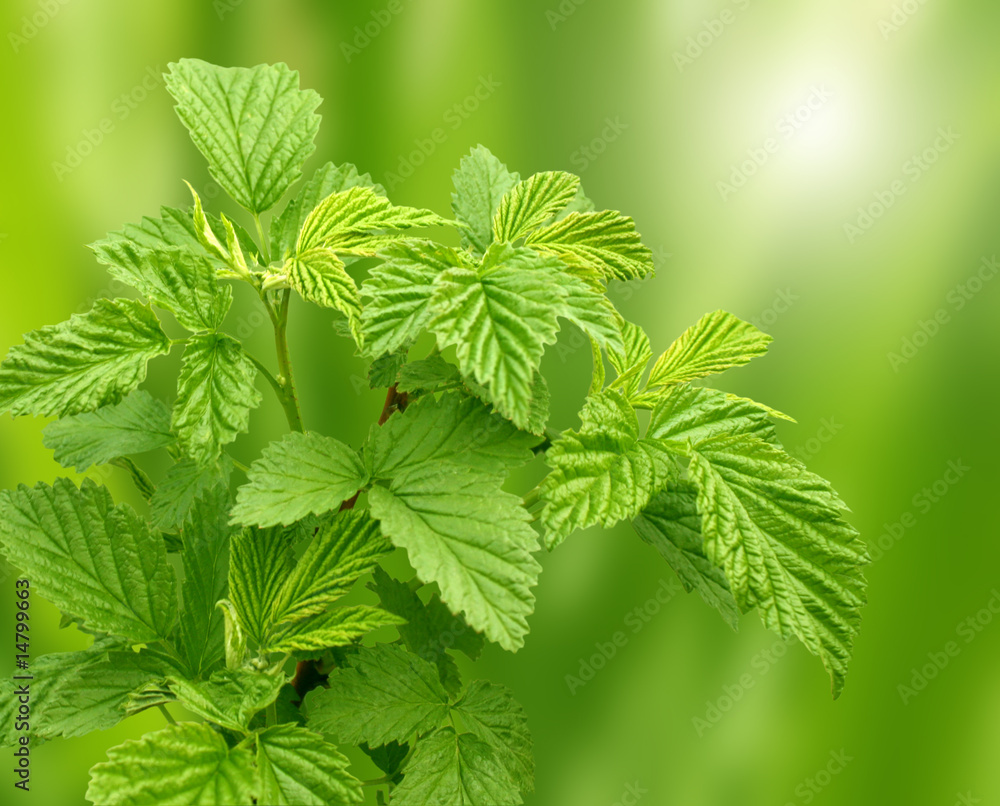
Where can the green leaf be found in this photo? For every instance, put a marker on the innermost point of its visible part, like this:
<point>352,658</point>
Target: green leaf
<point>358,221</point>
<point>339,627</point>
<point>93,360</point>
<point>229,698</point>
<point>299,475</point>
<point>777,531</point>
<point>429,630</point>
<point>481,181</point>
<point>182,282</point>
<point>603,473</point>
<point>449,769</point>
<point>215,394</point>
<point>298,768</point>
<point>205,537</point>
<point>463,532</point>
<point>254,125</point>
<point>631,362</point>
<point>182,487</point>
<point>138,424</point>
<point>452,429</point>
<point>321,278</point>
<point>384,371</point>
<point>180,765</point>
<point>717,342</point>
<point>385,694</point>
<point>532,202</point>
<point>671,524</point>
<point>400,290</point>
<point>346,547</point>
<point>329,179</point>
<point>605,242</point>
<point>692,414</point>
<point>491,713</point>
<point>260,562</point>
<point>428,375</point>
<point>90,558</point>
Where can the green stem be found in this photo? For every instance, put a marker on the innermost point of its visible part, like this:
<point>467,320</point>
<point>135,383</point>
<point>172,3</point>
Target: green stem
<point>265,251</point>
<point>289,400</point>
<point>532,498</point>
<point>385,779</point>
<point>166,714</point>
<point>268,376</point>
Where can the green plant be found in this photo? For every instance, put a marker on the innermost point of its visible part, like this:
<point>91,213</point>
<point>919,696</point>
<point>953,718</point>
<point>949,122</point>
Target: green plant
<point>265,563</point>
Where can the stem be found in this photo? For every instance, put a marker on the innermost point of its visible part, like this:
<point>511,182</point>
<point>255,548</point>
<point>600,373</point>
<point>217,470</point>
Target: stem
<point>385,779</point>
<point>166,714</point>
<point>265,252</point>
<point>285,379</point>
<point>267,376</point>
<point>531,498</point>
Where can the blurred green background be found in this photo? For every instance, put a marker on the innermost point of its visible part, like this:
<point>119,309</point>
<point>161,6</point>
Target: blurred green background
<point>654,104</point>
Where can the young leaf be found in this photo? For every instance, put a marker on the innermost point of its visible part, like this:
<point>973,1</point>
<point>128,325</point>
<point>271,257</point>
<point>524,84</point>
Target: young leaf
<point>182,487</point>
<point>298,768</point>
<point>90,558</point>
<point>254,125</point>
<point>455,769</point>
<point>428,375</point>
<point>215,394</point>
<point>715,343</point>
<point>630,363</point>
<point>463,532</point>
<point>138,424</point>
<point>229,698</point>
<point>339,627</point>
<point>605,242</point>
<point>205,537</point>
<point>481,181</point>
<point>692,414</point>
<point>603,473</point>
<point>383,371</point>
<point>532,202</point>
<point>93,360</point>
<point>321,278</point>
<point>777,531</point>
<point>400,290</point>
<point>386,694</point>
<point>301,474</point>
<point>260,562</point>
<point>329,179</point>
<point>182,764</point>
<point>184,283</point>
<point>671,524</point>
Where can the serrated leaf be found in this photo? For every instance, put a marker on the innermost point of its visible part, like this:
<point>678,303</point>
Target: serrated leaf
<point>298,768</point>
<point>205,535</point>
<point>491,713</point>
<point>338,627</point>
<point>254,125</point>
<point>321,278</point>
<point>138,424</point>
<point>384,371</point>
<point>603,473</point>
<point>672,525</point>
<point>184,484</point>
<point>532,202</point>
<point>229,698</point>
<point>715,343</point>
<point>463,532</point>
<point>215,394</point>
<point>777,531</point>
<point>481,181</point>
<point>630,362</point>
<point>299,475</point>
<point>90,558</point>
<point>428,375</point>
<point>182,282</point>
<point>329,179</point>
<point>452,429</point>
<point>180,765</point>
<point>260,562</point>
<point>93,360</point>
<point>399,291</point>
<point>385,694</point>
<point>692,414</point>
<point>606,242</point>
<point>449,769</point>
